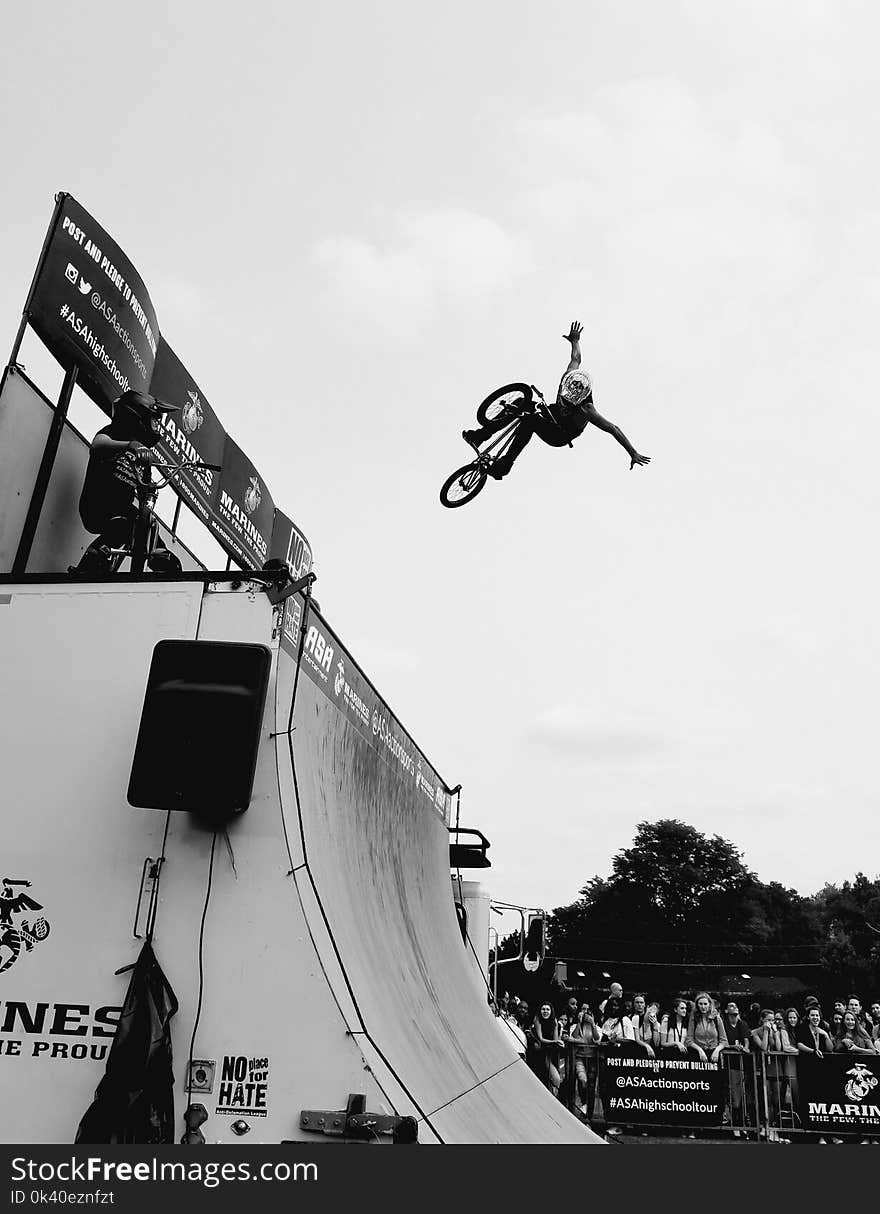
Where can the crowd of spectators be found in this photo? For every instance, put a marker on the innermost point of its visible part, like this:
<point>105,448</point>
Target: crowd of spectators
<point>692,1027</point>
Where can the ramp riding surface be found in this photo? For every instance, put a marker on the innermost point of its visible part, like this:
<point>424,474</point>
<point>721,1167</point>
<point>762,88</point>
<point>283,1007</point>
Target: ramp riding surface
<point>366,817</point>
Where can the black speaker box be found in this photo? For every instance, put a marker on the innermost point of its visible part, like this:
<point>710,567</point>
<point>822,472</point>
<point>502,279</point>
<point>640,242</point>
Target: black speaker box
<point>200,728</point>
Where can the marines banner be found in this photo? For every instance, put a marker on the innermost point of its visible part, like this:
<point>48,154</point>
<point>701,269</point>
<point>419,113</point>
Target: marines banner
<point>192,433</point>
<point>245,511</point>
<point>839,1093</point>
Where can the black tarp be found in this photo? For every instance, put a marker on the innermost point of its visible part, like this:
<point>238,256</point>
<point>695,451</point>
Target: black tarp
<point>134,1102</point>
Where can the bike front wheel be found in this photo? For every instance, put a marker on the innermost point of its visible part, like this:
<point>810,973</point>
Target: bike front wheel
<point>464,484</point>
<point>509,399</point>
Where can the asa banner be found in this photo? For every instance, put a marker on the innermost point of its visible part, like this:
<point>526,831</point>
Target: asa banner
<point>91,308</point>
<point>289,544</point>
<point>839,1092</point>
<point>244,511</point>
<point>660,1091</point>
<point>193,433</point>
<point>336,674</point>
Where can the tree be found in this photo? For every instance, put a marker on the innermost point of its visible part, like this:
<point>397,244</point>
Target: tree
<point>676,888</point>
<point>850,917</point>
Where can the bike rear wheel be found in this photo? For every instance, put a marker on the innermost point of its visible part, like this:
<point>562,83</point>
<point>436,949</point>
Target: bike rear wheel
<point>464,485</point>
<point>509,399</point>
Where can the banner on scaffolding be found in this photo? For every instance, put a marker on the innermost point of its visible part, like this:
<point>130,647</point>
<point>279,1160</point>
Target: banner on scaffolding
<point>193,433</point>
<point>90,307</point>
<point>638,1090</point>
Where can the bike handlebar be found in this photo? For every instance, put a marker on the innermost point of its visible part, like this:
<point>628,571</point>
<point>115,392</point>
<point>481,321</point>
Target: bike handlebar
<point>171,469</point>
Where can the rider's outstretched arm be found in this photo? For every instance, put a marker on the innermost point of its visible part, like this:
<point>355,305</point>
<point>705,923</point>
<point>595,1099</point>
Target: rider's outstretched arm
<point>602,423</point>
<point>574,335</point>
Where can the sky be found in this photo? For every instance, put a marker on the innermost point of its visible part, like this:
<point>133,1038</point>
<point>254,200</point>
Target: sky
<point>355,221</point>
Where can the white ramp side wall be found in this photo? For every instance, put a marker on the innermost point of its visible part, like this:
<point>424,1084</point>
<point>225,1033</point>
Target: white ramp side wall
<point>332,957</point>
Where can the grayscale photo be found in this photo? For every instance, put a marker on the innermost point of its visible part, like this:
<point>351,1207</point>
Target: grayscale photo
<point>437,619</point>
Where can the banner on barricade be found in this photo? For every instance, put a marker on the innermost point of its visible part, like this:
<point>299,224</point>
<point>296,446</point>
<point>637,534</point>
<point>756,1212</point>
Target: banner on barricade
<point>90,307</point>
<point>193,433</point>
<point>660,1091</point>
<point>839,1092</point>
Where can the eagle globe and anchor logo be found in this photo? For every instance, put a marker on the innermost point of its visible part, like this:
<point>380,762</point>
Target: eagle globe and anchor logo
<point>17,932</point>
<point>253,496</point>
<point>860,1079</point>
<point>192,415</point>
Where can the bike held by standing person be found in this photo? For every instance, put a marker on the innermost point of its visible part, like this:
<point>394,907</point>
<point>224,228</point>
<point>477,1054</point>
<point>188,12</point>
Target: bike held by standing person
<point>119,493</point>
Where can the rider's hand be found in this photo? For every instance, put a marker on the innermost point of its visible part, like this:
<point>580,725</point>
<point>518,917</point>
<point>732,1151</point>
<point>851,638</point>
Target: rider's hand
<point>639,459</point>
<point>574,332</point>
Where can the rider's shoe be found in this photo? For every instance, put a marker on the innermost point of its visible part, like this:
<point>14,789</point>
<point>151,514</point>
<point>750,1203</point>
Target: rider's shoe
<point>470,437</point>
<point>163,561</point>
<point>498,470</point>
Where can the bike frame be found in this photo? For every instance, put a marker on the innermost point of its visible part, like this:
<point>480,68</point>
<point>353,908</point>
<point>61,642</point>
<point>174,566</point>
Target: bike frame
<point>145,527</point>
<point>466,482</point>
<point>500,442</point>
<point>143,532</point>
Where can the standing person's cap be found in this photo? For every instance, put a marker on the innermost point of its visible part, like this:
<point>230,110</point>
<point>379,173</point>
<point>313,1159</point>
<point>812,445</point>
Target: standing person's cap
<point>143,402</point>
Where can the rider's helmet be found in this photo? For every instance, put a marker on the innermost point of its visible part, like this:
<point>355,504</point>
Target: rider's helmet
<point>143,413</point>
<point>576,387</point>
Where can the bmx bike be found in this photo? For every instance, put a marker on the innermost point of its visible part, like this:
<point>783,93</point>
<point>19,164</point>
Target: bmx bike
<point>144,539</point>
<point>513,401</point>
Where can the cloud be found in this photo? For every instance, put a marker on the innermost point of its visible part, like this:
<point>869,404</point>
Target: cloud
<point>436,253</point>
<point>789,631</point>
<point>671,183</point>
<point>570,730</point>
<point>386,658</point>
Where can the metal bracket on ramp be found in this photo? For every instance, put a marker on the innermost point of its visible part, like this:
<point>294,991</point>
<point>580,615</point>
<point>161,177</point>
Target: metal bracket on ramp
<point>468,855</point>
<point>278,593</point>
<point>353,1122</point>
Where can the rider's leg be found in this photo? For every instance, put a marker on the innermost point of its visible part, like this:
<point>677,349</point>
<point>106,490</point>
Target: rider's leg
<point>115,532</point>
<point>484,432</point>
<point>521,435</point>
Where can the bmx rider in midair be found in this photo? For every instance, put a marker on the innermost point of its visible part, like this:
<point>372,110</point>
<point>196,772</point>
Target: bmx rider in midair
<point>572,412</point>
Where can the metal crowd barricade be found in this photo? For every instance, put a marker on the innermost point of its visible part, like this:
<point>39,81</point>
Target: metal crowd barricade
<point>744,1100</point>
<point>761,1100</point>
<point>569,1093</point>
<point>781,1075</point>
<point>742,1093</point>
<point>779,1096</point>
